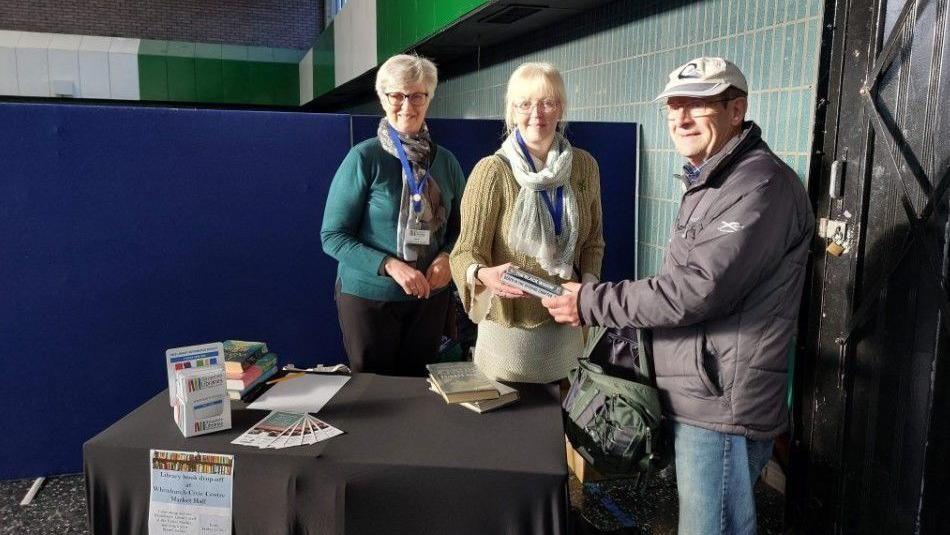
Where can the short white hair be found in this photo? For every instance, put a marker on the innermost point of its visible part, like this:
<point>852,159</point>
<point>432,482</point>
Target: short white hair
<point>530,79</point>
<point>403,70</point>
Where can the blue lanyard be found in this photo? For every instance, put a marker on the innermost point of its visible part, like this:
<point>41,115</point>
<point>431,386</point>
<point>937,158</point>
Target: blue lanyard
<point>556,208</point>
<point>415,187</point>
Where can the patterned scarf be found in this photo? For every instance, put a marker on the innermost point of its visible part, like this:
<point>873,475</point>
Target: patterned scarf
<point>532,226</point>
<point>419,150</point>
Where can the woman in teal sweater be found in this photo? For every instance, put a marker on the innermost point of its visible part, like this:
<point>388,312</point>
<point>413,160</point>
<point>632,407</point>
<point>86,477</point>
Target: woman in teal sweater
<point>391,219</point>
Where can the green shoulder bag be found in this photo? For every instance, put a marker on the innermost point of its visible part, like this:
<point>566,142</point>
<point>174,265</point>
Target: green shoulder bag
<point>612,413</point>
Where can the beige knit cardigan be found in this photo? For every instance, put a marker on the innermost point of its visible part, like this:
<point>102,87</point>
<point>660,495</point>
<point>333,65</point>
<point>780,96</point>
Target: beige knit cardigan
<point>487,208</point>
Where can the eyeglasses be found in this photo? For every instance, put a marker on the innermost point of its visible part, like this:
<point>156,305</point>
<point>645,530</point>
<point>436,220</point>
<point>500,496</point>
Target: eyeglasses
<point>694,108</point>
<point>415,99</point>
<point>546,105</point>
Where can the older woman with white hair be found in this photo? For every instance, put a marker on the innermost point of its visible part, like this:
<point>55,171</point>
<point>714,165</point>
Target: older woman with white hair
<point>534,204</point>
<point>391,219</point>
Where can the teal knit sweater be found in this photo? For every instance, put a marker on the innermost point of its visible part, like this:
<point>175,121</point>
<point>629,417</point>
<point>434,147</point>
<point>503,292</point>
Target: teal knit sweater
<point>359,223</point>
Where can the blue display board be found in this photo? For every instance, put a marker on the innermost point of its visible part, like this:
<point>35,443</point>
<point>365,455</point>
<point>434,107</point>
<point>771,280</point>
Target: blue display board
<point>128,230</point>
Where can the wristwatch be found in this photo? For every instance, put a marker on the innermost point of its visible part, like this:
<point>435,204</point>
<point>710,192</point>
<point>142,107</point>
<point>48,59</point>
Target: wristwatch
<point>475,273</point>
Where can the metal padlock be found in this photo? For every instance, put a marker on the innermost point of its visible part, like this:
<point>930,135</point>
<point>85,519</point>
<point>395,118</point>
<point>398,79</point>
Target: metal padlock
<point>834,249</point>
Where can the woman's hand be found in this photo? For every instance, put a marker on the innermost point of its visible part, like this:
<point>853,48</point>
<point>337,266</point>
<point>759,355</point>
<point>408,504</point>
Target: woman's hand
<point>412,281</point>
<point>439,274</point>
<point>491,278</point>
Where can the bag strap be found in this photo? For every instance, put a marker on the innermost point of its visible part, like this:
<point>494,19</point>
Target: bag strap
<point>594,334</point>
<point>646,358</point>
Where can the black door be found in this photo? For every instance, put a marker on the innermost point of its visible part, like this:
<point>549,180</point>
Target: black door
<point>871,447</point>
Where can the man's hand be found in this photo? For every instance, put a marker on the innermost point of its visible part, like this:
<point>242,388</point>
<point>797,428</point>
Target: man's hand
<point>409,278</point>
<point>564,308</point>
<point>439,274</point>
<point>491,278</point>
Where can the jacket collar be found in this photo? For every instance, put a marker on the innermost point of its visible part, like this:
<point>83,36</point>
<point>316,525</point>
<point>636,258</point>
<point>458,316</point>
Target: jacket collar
<point>737,146</point>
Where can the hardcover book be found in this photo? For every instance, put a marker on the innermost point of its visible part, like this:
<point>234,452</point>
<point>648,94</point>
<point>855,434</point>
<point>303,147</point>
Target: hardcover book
<point>531,284</point>
<point>239,394</point>
<point>240,381</point>
<point>240,355</point>
<point>461,381</point>
<point>506,396</point>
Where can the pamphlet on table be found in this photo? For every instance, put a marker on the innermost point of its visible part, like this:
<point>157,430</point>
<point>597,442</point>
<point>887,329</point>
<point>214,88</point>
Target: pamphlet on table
<point>286,429</point>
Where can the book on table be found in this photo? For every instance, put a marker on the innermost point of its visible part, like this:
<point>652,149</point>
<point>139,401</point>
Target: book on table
<point>506,396</point>
<point>460,382</point>
<point>240,355</point>
<point>265,375</point>
<point>240,381</point>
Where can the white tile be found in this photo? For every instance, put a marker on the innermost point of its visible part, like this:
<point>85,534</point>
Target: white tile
<point>124,68</point>
<point>64,65</point>
<point>9,85</point>
<point>94,67</point>
<point>305,69</point>
<point>354,40</point>
<point>32,64</point>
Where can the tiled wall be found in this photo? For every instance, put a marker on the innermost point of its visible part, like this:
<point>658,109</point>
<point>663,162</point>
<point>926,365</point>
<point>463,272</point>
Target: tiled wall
<point>616,58</point>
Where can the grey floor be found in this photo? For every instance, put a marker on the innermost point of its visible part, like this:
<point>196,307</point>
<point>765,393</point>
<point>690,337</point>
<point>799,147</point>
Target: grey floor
<point>597,508</point>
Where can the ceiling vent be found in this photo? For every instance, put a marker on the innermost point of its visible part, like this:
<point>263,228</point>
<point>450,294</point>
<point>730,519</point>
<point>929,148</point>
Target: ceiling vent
<point>512,13</point>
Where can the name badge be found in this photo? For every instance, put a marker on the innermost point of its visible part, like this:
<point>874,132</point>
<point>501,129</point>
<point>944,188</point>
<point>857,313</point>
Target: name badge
<point>417,236</point>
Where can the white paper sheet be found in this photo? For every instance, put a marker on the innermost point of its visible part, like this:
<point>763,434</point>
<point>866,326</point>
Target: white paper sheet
<point>308,393</point>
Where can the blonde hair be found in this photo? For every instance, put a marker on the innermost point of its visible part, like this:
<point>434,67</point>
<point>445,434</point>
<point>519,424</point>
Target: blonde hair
<point>403,70</point>
<point>532,78</point>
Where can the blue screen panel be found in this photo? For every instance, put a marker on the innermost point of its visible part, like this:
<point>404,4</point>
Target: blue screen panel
<point>126,231</point>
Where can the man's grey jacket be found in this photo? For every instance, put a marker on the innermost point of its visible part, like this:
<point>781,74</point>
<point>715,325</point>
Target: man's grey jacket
<point>724,306</point>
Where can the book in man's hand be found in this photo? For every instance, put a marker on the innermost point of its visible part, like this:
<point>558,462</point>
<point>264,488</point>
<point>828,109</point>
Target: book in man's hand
<point>507,396</point>
<point>459,382</point>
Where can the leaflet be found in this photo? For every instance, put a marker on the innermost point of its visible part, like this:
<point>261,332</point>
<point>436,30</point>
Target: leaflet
<point>286,429</point>
<point>190,493</point>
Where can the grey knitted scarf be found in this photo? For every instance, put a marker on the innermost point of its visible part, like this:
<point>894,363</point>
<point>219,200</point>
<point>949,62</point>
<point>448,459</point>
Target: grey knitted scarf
<point>419,150</point>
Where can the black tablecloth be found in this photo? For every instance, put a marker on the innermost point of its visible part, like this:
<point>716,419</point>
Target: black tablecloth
<point>408,463</point>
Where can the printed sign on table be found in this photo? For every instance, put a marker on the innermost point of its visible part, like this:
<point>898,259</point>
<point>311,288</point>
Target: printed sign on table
<point>190,493</point>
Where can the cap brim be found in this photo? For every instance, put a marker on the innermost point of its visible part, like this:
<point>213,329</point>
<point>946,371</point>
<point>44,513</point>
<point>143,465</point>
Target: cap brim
<point>693,90</point>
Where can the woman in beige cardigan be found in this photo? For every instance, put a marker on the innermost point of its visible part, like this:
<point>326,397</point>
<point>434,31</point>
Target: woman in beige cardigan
<point>534,204</point>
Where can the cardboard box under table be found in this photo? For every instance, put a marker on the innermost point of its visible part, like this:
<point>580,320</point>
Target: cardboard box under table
<point>407,463</point>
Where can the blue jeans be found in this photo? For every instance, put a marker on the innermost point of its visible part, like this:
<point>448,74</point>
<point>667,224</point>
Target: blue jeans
<point>715,473</point>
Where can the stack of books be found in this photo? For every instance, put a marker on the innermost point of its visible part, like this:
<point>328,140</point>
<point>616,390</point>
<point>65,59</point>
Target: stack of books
<point>247,366</point>
<point>465,384</point>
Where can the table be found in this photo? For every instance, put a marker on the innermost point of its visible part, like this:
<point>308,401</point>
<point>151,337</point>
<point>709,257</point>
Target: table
<point>408,463</point>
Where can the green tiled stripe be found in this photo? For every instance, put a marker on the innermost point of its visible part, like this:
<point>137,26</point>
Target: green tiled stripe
<point>324,77</point>
<point>235,74</point>
<point>188,72</point>
<point>209,82</point>
<point>153,70</point>
<point>182,85</point>
<point>399,26</point>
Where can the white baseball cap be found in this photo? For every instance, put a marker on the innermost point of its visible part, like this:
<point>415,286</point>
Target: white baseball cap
<point>703,77</point>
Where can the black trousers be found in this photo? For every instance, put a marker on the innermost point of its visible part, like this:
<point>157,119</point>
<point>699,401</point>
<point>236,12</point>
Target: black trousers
<point>392,337</point>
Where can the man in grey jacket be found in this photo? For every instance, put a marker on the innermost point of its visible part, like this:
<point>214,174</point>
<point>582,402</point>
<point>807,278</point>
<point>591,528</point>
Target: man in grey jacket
<point>724,306</point>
